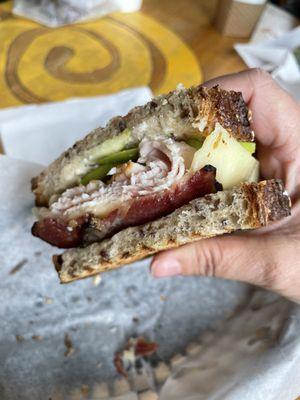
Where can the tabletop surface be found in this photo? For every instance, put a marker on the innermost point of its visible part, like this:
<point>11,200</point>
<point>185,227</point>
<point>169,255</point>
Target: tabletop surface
<point>163,44</point>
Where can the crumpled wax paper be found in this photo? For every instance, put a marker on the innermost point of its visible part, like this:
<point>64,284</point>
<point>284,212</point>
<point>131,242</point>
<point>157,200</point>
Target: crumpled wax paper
<point>55,13</point>
<point>276,56</point>
<point>252,353</point>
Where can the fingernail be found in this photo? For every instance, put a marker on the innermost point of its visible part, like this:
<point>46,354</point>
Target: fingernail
<point>165,268</point>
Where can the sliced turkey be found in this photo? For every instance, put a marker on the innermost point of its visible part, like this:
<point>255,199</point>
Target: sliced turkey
<point>138,192</point>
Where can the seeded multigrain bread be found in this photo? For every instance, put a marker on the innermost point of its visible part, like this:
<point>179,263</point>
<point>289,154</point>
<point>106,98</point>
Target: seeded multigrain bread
<point>179,112</point>
<point>251,205</point>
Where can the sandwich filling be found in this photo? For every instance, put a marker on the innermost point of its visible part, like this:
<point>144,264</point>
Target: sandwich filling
<point>137,185</point>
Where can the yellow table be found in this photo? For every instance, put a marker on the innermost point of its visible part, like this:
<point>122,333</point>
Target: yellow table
<point>160,46</point>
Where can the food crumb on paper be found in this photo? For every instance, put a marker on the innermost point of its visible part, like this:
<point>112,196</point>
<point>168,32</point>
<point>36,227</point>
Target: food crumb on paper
<point>97,280</point>
<point>20,338</point>
<point>48,300</point>
<point>69,345</point>
<point>148,395</point>
<point>38,338</point>
<point>18,266</point>
<point>85,390</point>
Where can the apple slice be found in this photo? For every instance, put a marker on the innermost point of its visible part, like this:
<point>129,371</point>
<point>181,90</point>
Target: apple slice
<point>233,162</point>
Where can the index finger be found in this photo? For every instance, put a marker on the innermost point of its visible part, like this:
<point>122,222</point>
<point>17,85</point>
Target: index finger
<point>245,81</point>
<point>275,113</point>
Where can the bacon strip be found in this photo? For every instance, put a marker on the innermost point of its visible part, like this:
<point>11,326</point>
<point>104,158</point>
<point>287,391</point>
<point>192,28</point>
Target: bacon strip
<point>61,232</point>
<point>137,211</point>
<point>144,209</point>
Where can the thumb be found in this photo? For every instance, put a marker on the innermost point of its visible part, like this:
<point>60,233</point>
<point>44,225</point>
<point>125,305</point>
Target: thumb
<point>252,259</point>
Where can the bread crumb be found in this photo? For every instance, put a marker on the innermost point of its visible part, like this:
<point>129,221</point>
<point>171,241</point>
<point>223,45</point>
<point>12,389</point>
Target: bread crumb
<point>69,345</point>
<point>193,348</point>
<point>85,390</point>
<point>163,298</point>
<point>48,300</point>
<point>18,266</point>
<point>38,338</point>
<point>148,395</point>
<point>20,338</point>
<point>97,280</point>
<point>177,360</point>
<point>161,372</point>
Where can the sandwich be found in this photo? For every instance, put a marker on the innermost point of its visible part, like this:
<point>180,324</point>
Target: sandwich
<point>178,169</point>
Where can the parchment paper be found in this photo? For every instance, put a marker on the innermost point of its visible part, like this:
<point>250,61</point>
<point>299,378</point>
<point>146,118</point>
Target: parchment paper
<point>98,319</point>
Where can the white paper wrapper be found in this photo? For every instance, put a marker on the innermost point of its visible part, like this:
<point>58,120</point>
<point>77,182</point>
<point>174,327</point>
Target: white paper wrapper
<point>276,56</point>
<point>61,12</point>
<point>254,355</point>
<point>39,133</point>
<point>273,22</point>
<point>99,319</point>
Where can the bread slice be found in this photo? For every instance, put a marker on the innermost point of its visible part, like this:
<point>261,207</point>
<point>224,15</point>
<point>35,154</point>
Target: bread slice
<point>177,113</point>
<point>248,206</point>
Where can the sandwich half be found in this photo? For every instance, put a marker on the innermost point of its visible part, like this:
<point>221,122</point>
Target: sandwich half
<point>178,169</point>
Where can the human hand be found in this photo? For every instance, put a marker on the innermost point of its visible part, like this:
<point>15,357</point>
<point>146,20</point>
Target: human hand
<point>268,257</point>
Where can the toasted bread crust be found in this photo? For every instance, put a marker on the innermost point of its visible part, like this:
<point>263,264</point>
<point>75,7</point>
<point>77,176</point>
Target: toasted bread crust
<point>177,111</point>
<point>249,206</point>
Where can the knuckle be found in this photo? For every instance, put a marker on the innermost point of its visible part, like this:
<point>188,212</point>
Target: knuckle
<point>270,275</point>
<point>260,74</point>
<point>208,259</point>
<point>273,272</point>
<point>260,77</point>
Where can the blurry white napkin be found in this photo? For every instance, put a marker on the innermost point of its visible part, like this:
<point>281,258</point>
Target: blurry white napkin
<point>276,56</point>
<point>39,133</point>
<point>60,12</point>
